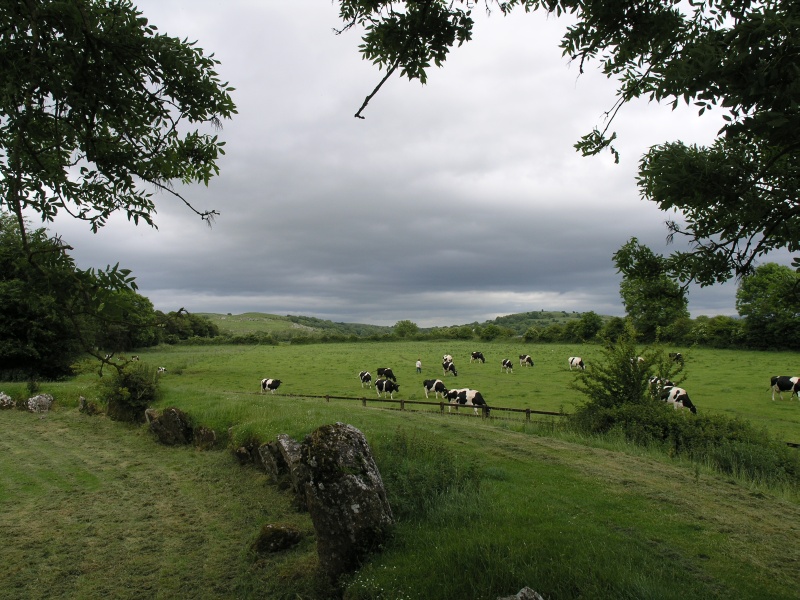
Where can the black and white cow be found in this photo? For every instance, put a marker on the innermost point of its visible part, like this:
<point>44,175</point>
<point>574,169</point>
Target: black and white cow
<point>477,356</point>
<point>386,386</point>
<point>785,383</point>
<point>447,358</point>
<point>507,365</point>
<point>387,373</point>
<point>676,357</point>
<point>436,386</point>
<point>577,362</point>
<point>678,398</point>
<point>366,378</point>
<point>468,397</point>
<point>162,369</point>
<point>449,367</point>
<point>525,360</point>
<point>270,384</point>
<point>657,385</point>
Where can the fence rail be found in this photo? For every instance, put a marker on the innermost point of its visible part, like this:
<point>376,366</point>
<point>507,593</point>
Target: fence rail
<point>441,404</point>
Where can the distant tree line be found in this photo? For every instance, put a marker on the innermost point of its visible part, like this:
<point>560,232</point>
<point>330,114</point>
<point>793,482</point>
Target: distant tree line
<point>51,312</point>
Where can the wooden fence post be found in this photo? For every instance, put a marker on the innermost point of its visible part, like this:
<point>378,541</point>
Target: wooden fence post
<point>363,401</point>
<point>402,404</point>
<point>327,398</point>
<point>528,415</point>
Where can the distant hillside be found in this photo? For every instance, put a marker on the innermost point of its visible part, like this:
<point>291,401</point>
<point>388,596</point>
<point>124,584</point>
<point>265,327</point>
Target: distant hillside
<point>253,322</point>
<point>521,322</point>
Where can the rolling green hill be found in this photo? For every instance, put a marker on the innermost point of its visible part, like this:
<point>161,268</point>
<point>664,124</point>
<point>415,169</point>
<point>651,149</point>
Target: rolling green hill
<point>256,322</point>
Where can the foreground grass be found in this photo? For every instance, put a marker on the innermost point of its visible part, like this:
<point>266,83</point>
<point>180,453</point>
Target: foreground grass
<point>95,509</point>
<point>91,508</point>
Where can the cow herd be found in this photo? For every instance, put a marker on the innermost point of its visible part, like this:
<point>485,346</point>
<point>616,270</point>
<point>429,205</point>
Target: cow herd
<point>662,389</point>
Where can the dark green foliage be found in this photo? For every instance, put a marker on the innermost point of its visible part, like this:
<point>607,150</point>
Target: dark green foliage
<point>129,391</point>
<point>182,325</point>
<point>769,301</point>
<point>621,400</point>
<point>96,102</point>
<point>652,299</point>
<point>37,336</point>
<point>406,328</point>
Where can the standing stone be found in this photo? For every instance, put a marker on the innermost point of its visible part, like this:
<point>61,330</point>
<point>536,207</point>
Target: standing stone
<point>291,453</point>
<point>345,496</point>
<point>172,427</point>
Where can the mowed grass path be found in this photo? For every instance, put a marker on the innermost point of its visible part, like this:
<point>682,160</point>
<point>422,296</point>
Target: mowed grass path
<point>91,509</point>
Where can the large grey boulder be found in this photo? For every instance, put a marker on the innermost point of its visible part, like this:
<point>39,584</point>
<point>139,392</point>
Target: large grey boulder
<point>525,593</point>
<point>345,498</point>
<point>172,427</point>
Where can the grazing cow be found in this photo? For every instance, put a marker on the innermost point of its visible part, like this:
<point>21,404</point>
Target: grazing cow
<point>447,358</point>
<point>135,357</point>
<point>386,386</point>
<point>784,383</point>
<point>678,398</point>
<point>449,367</point>
<point>467,397</point>
<point>525,360</point>
<point>436,386</point>
<point>577,362</point>
<point>507,365</point>
<point>477,356</point>
<point>162,369</point>
<point>270,384</point>
<point>637,360</point>
<point>366,378</point>
<point>386,373</point>
<point>676,357</point>
<point>657,384</point>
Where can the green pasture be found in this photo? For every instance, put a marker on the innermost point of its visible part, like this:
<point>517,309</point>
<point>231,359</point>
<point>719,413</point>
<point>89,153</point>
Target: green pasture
<point>250,322</point>
<point>484,507</point>
<point>733,382</point>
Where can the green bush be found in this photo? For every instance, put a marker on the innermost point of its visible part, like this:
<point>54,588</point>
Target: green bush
<point>620,402</point>
<point>128,391</point>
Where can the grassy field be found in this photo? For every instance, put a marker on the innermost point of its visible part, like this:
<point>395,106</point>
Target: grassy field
<point>732,382</point>
<point>96,509</point>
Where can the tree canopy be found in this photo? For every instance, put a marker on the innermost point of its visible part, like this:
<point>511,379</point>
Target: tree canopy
<point>769,301</point>
<point>739,196</point>
<point>651,298</point>
<point>98,111</point>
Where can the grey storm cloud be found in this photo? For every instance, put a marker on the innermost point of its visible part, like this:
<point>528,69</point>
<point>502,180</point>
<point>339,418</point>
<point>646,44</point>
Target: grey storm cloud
<point>453,202</point>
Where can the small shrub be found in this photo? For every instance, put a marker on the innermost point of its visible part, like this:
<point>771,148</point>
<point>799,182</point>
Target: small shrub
<point>33,387</point>
<point>129,391</point>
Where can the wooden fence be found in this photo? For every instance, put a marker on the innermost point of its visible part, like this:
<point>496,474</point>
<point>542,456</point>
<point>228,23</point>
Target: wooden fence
<point>441,405</point>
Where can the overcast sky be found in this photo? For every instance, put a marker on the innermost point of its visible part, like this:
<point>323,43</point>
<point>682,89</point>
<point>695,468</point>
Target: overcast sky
<point>453,202</point>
